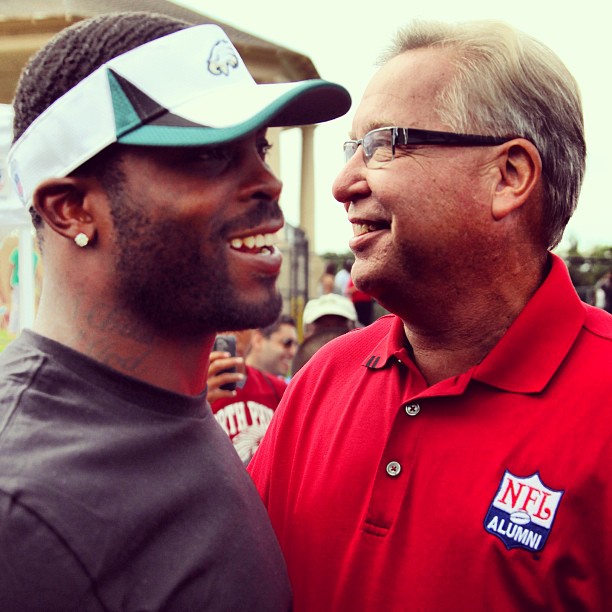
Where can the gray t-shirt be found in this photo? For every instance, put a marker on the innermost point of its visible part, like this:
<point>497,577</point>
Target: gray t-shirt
<point>118,495</point>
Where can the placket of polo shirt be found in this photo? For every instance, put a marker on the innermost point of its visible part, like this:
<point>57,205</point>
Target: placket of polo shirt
<point>401,452</point>
<point>393,472</point>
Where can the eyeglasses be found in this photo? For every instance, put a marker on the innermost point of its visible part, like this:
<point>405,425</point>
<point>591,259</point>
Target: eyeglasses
<point>379,144</point>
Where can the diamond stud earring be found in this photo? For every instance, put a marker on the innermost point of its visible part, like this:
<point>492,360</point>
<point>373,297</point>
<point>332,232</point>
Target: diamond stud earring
<point>81,240</point>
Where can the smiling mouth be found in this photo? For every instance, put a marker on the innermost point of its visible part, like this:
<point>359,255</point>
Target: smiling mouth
<point>256,244</point>
<point>360,229</point>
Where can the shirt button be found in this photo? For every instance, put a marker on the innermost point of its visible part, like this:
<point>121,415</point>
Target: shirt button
<point>412,409</point>
<point>393,468</point>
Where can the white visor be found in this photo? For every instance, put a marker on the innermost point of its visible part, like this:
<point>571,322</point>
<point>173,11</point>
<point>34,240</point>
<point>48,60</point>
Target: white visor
<point>189,88</point>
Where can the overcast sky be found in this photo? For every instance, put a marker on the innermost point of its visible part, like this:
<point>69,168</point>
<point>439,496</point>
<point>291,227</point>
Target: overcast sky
<point>343,38</point>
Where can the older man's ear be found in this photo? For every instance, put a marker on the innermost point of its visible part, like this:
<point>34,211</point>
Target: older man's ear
<point>520,169</point>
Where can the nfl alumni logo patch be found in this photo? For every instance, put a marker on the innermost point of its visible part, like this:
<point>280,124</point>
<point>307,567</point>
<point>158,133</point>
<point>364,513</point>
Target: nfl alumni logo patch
<point>522,512</point>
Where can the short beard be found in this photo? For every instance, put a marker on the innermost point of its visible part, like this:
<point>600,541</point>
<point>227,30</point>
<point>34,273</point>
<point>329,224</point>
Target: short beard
<point>164,281</point>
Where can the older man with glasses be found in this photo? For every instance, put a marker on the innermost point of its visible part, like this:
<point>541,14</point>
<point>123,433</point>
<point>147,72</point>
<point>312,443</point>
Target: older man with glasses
<point>447,456</point>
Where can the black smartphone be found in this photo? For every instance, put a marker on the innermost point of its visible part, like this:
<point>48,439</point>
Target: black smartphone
<point>226,343</point>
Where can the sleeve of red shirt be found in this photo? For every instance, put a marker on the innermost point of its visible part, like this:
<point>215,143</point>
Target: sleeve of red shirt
<point>264,468</point>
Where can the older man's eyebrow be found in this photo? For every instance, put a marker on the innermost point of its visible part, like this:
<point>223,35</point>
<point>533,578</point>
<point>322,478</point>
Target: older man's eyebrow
<point>373,125</point>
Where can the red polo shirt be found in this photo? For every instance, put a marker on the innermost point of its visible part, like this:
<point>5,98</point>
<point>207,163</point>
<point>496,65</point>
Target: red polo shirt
<point>491,490</point>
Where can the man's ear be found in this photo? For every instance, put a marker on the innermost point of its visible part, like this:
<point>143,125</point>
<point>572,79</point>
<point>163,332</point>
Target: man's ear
<point>520,168</point>
<point>63,204</point>
<point>256,340</point>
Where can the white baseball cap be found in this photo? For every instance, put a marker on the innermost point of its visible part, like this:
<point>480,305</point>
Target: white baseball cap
<point>189,88</point>
<point>329,304</point>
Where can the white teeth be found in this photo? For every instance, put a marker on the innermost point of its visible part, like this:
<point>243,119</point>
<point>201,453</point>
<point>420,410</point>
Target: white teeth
<point>259,241</point>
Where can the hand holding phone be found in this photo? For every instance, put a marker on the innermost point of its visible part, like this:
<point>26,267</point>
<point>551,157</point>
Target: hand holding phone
<point>226,343</point>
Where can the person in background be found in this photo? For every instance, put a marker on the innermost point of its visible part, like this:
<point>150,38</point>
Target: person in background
<point>245,411</point>
<point>140,147</point>
<point>310,345</point>
<point>363,302</point>
<point>342,277</point>
<point>326,282</point>
<point>447,456</point>
<point>273,347</point>
<point>603,292</point>
<point>324,319</point>
<point>328,311</point>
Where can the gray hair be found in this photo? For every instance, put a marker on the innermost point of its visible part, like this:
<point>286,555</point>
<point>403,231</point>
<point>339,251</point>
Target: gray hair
<point>509,84</point>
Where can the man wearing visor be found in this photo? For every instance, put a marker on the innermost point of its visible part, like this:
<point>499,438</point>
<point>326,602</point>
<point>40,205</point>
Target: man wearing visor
<point>454,455</point>
<point>140,146</point>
